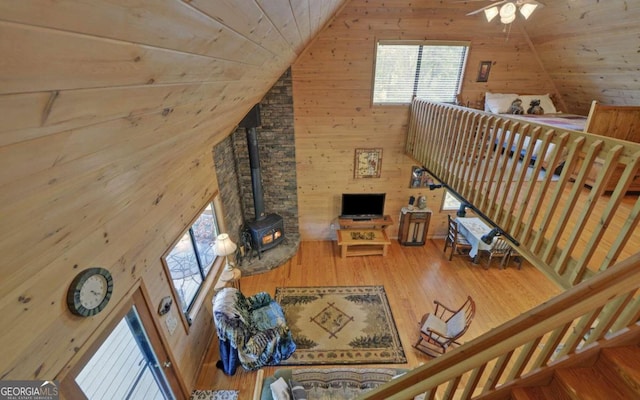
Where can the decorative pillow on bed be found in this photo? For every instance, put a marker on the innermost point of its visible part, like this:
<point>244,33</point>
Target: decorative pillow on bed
<point>545,102</point>
<point>498,103</point>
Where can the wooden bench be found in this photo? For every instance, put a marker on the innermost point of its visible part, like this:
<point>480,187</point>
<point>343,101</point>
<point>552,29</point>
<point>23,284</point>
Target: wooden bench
<point>362,242</point>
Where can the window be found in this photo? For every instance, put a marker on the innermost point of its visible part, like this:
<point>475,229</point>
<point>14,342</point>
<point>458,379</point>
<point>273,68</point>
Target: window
<point>429,70</point>
<point>450,202</point>
<point>189,261</point>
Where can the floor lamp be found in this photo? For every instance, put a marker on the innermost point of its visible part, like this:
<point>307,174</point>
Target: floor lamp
<point>225,247</point>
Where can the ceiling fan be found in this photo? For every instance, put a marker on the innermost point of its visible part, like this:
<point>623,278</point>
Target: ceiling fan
<point>507,10</point>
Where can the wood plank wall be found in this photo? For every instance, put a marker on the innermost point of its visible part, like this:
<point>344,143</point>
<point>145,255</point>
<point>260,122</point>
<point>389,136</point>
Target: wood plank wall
<point>591,50</point>
<point>332,101</point>
<point>109,111</point>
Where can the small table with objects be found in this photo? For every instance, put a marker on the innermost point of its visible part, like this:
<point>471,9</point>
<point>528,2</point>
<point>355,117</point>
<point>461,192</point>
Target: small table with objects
<point>362,242</point>
<point>473,229</point>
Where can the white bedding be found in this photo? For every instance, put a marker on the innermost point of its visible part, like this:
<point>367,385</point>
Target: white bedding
<point>564,121</point>
<point>500,103</point>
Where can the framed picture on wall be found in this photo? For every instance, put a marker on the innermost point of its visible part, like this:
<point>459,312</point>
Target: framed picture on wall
<point>419,177</point>
<point>483,71</point>
<point>368,163</point>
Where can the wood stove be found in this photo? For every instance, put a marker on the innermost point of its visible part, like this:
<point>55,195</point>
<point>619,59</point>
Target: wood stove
<point>267,233</point>
<point>267,230</point>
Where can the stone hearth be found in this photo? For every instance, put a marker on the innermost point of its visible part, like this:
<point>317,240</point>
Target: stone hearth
<point>272,258</point>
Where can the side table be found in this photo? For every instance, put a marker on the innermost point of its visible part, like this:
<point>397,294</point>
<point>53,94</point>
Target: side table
<point>229,278</point>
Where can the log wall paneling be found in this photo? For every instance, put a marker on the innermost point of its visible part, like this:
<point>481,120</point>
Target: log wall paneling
<point>332,102</point>
<point>590,50</point>
<point>109,114</point>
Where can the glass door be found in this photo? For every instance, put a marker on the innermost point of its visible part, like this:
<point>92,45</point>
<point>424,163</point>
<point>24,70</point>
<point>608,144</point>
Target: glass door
<point>125,364</point>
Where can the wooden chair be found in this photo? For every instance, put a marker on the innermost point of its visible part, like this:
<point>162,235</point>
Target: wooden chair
<point>499,249</point>
<point>515,255</point>
<point>455,239</point>
<point>444,327</point>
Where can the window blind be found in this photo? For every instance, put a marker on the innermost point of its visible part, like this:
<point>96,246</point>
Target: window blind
<point>429,70</point>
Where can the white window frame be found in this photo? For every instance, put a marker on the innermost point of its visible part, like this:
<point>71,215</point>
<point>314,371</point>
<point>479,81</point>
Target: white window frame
<point>449,198</point>
<point>212,267</point>
<point>412,82</point>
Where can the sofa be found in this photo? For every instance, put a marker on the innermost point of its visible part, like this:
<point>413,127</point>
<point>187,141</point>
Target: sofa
<point>252,331</point>
<point>341,383</point>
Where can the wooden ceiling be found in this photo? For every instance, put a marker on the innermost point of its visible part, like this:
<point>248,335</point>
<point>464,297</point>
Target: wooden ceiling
<point>109,111</point>
<point>590,49</point>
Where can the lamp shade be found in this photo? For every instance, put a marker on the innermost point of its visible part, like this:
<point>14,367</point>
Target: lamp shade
<point>224,246</point>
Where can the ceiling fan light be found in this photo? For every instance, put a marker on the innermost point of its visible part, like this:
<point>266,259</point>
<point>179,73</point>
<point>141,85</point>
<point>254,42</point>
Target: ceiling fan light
<point>491,13</point>
<point>508,11</point>
<point>508,20</point>
<point>527,9</point>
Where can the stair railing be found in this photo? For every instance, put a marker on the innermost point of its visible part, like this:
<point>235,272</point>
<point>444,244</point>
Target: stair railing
<point>504,168</point>
<point>591,311</point>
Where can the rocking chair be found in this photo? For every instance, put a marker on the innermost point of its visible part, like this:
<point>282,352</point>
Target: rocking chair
<point>444,327</point>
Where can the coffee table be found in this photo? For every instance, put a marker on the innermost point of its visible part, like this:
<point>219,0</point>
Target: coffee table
<point>362,242</point>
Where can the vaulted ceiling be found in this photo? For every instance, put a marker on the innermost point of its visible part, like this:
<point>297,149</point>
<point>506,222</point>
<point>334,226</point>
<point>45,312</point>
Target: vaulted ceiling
<point>109,111</point>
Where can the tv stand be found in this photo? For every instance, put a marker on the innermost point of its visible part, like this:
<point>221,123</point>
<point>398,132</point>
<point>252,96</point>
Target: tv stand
<point>372,223</point>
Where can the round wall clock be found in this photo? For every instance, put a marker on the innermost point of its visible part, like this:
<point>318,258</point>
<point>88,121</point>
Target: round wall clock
<point>90,292</point>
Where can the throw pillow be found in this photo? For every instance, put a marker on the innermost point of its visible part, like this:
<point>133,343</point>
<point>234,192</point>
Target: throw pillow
<point>498,103</point>
<point>280,390</point>
<point>297,391</point>
<point>545,102</point>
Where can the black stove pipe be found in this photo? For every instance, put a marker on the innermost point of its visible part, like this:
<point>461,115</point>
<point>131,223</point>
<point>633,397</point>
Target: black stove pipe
<point>256,179</point>
<point>250,122</point>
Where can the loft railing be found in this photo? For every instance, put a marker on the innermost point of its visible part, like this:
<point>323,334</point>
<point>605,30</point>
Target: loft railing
<point>592,311</point>
<point>557,223</point>
<point>567,229</point>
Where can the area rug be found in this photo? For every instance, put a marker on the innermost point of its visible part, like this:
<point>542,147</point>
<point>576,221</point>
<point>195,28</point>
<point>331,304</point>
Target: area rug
<point>340,325</point>
<point>214,395</point>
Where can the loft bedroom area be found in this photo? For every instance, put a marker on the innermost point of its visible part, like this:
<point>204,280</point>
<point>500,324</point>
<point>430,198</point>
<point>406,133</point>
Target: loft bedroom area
<point>489,161</point>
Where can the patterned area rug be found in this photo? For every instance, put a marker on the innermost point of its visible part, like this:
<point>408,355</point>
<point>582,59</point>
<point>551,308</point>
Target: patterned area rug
<point>214,395</point>
<point>340,325</point>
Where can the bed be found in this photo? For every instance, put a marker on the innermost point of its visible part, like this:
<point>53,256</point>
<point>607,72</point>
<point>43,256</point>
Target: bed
<point>619,122</point>
<point>500,103</point>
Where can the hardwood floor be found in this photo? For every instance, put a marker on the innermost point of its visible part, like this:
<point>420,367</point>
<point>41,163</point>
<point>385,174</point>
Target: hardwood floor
<point>413,277</point>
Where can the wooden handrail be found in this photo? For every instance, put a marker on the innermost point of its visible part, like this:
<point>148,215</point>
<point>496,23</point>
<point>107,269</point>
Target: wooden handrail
<point>528,328</point>
<point>469,152</point>
<point>550,218</point>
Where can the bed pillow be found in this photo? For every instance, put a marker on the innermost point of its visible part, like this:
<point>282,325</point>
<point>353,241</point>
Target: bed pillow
<point>499,103</point>
<point>545,102</point>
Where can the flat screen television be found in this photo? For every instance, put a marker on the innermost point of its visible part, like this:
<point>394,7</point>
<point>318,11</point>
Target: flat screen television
<point>362,205</point>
